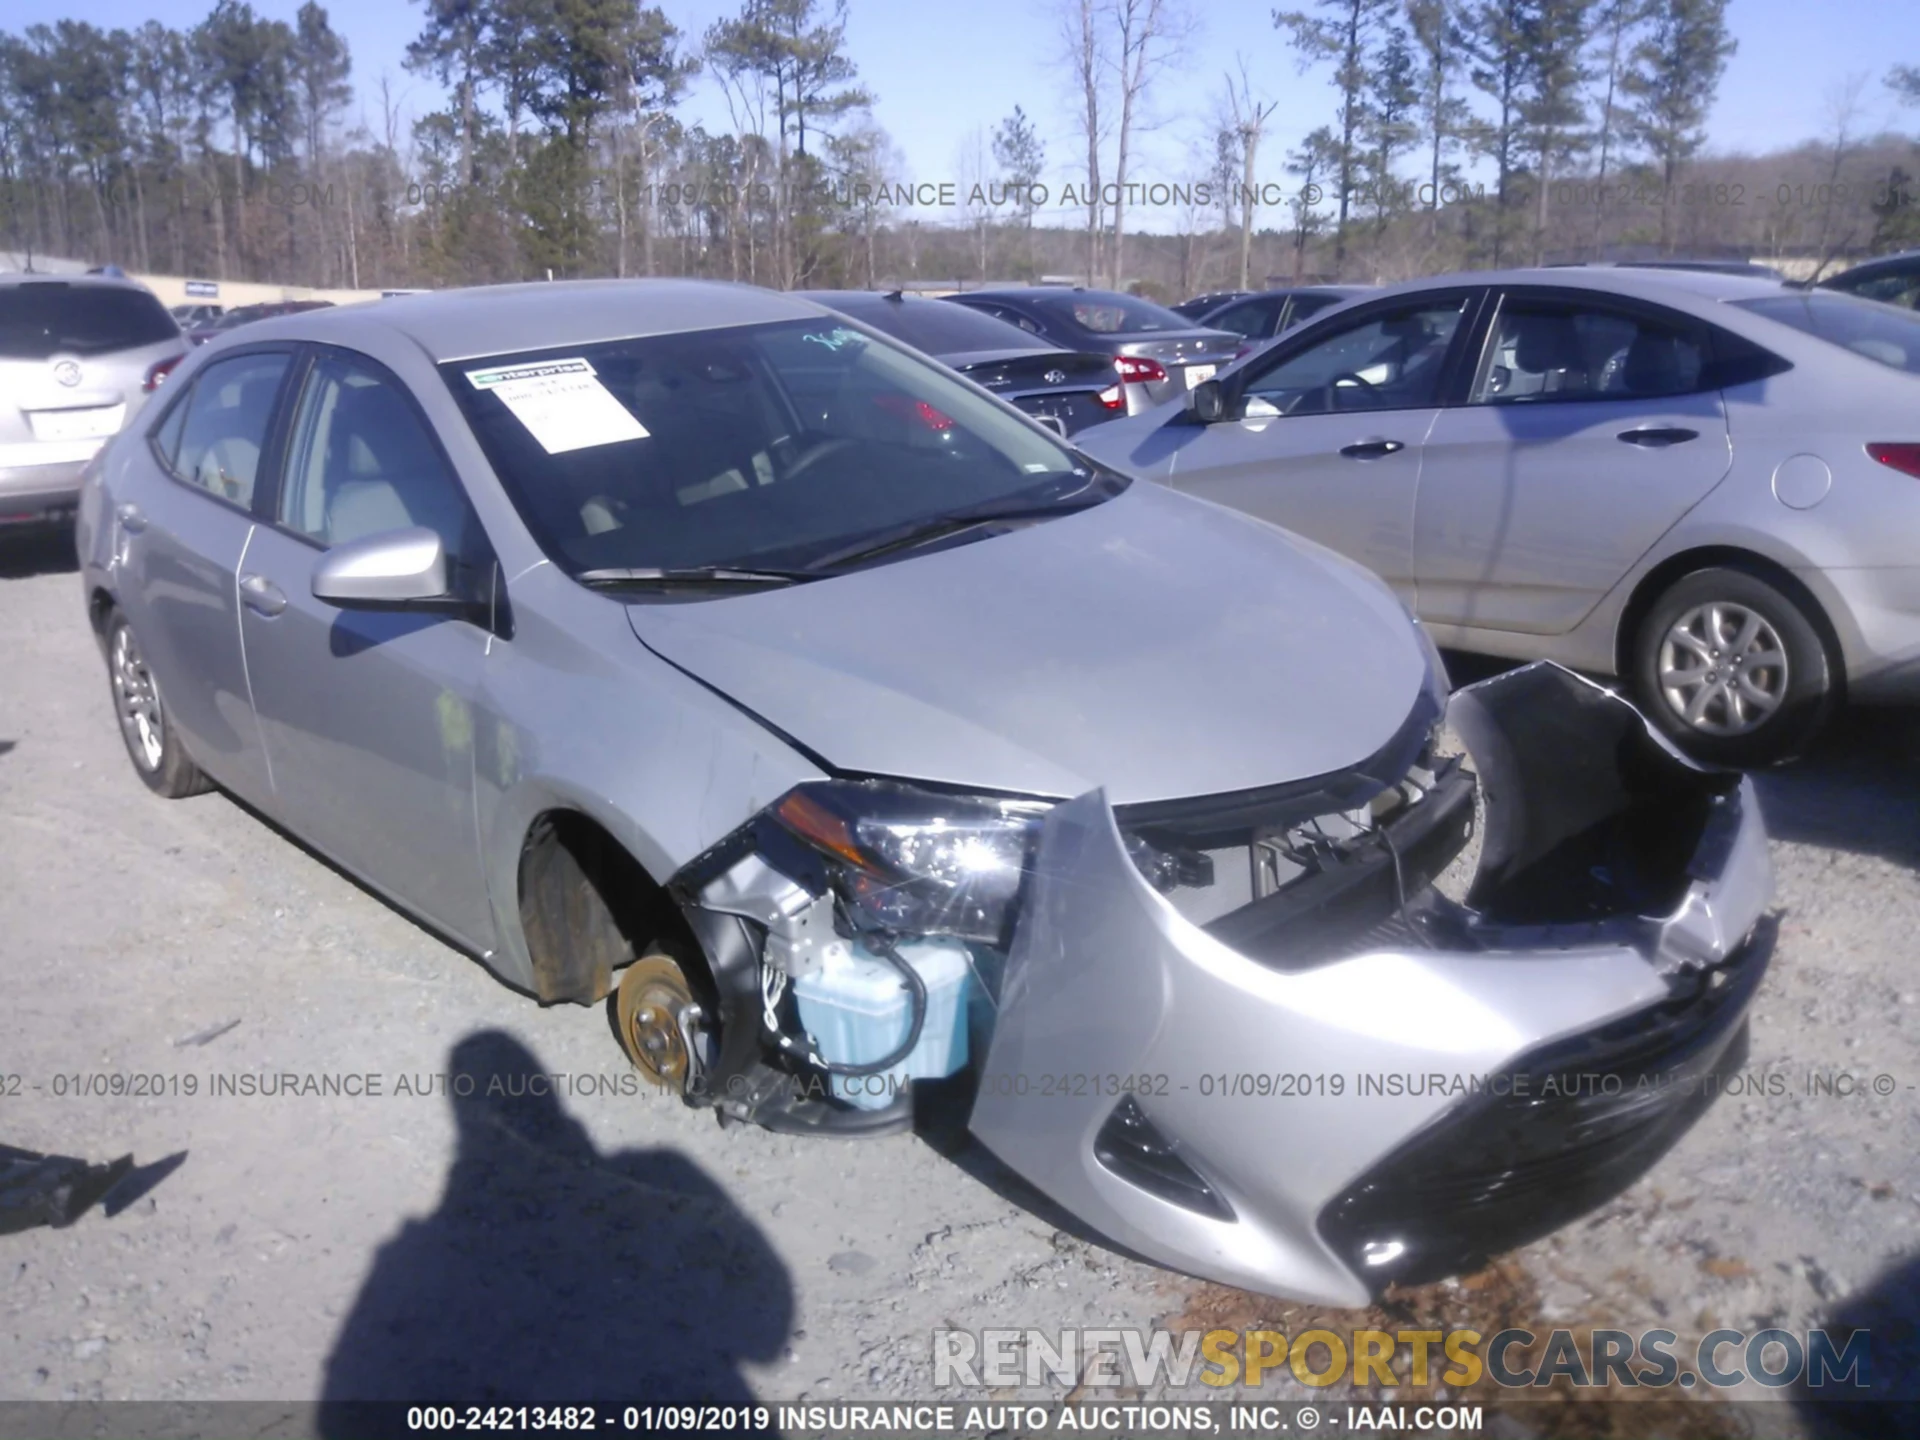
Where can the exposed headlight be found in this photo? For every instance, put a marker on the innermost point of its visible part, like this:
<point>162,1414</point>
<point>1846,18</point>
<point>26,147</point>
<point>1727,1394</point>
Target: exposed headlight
<point>913,862</point>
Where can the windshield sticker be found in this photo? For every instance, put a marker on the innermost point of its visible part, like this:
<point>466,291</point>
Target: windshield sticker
<point>562,403</point>
<point>835,339</point>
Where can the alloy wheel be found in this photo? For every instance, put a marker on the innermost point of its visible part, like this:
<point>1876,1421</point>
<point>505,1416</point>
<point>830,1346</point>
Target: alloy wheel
<point>137,701</point>
<point>1723,669</point>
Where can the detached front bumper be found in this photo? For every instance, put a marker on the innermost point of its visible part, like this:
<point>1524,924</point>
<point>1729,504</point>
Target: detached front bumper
<point>1395,1099</point>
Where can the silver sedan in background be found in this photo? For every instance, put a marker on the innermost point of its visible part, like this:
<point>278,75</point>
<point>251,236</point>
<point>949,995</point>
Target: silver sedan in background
<point>1708,485</point>
<point>682,645</point>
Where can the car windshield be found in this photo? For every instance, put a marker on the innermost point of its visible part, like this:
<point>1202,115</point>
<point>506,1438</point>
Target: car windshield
<point>43,318</point>
<point>1107,313</point>
<point>1879,332</point>
<point>752,447</point>
<point>930,326</point>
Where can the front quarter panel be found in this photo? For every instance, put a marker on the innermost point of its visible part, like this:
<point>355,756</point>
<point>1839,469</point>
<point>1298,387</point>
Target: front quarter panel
<point>577,715</point>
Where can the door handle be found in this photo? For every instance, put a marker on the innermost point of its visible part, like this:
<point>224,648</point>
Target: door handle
<point>1657,436</point>
<point>262,596</point>
<point>1371,449</point>
<point>131,517</point>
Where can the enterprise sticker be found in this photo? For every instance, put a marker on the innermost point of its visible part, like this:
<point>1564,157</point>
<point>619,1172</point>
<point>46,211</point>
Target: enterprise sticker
<point>562,403</point>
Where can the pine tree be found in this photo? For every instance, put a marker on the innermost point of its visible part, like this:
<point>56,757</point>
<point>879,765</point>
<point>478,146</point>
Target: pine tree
<point>1675,73</point>
<point>1346,36</point>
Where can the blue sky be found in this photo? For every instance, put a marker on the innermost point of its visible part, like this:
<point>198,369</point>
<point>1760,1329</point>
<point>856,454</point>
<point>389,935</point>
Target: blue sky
<point>942,73</point>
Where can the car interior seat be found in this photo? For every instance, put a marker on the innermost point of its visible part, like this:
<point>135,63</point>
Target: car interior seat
<point>382,473</point>
<point>1549,347</point>
<point>1659,364</point>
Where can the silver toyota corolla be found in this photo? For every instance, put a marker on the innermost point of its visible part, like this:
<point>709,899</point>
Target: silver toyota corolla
<point>691,646</point>
<point>1706,484</point>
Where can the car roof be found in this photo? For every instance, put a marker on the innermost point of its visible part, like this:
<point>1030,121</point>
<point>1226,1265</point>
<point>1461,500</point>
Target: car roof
<point>1016,292</point>
<point>93,282</point>
<point>505,319</point>
<point>1670,285</point>
<point>895,297</point>
<point>1905,259</point>
<point>1334,288</point>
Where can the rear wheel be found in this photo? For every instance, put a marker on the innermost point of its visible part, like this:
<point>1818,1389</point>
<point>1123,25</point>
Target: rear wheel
<point>153,745</point>
<point>1732,668</point>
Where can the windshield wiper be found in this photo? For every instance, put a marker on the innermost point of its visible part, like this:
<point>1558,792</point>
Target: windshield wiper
<point>690,575</point>
<point>939,527</point>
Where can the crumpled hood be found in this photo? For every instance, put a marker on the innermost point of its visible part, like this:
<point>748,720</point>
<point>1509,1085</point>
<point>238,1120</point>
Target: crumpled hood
<point>1154,645</point>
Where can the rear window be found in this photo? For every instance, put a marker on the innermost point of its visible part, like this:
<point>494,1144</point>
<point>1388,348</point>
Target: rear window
<point>1879,332</point>
<point>932,326</point>
<point>1107,313</point>
<point>43,318</point>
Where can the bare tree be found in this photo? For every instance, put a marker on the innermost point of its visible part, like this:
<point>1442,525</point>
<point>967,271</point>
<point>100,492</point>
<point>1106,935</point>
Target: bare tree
<point>974,173</point>
<point>1085,48</point>
<point>1248,119</point>
<point>1843,115</point>
<point>1148,36</point>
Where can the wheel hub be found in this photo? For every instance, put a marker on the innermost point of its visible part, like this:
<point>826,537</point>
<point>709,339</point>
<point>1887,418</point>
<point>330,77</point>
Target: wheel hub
<point>1723,669</point>
<point>653,1001</point>
<point>138,702</point>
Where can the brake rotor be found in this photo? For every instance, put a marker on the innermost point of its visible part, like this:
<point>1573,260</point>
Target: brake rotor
<point>653,996</point>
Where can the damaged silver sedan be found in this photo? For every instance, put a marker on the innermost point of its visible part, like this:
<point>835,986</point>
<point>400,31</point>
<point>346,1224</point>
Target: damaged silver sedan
<point>690,648</point>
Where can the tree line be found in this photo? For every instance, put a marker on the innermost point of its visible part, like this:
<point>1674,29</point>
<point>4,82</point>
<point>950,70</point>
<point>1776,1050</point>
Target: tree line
<point>1460,132</point>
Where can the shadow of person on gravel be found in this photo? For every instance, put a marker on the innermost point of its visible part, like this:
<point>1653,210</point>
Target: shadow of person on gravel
<point>555,1275</point>
<point>1886,1318</point>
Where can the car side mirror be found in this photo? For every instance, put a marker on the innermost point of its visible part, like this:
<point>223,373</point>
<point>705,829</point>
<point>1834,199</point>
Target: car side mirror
<point>1207,402</point>
<point>393,570</point>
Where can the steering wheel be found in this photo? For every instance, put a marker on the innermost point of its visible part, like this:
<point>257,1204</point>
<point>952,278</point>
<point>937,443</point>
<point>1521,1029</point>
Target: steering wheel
<point>817,452</point>
<point>1373,391</point>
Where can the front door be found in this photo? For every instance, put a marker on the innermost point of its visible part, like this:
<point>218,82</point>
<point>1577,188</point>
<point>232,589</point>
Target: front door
<point>367,716</point>
<point>1328,437</point>
<point>1588,432</point>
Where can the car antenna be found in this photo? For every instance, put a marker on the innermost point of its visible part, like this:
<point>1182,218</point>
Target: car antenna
<point>899,295</point>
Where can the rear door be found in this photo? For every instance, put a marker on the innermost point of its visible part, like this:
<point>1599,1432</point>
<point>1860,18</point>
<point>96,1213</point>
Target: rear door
<point>1588,430</point>
<point>1330,430</point>
<point>182,525</point>
<point>368,717</point>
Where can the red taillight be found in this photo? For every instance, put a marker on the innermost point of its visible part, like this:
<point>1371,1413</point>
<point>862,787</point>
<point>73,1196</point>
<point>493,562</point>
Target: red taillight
<point>1113,397</point>
<point>1902,456</point>
<point>1138,370</point>
<point>159,371</point>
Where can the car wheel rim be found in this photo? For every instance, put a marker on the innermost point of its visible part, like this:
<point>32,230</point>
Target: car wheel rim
<point>137,701</point>
<point>1723,669</point>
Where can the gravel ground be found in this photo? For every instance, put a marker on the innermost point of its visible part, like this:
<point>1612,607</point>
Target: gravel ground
<point>350,1246</point>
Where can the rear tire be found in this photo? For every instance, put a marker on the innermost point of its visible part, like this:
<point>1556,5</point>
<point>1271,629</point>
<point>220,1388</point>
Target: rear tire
<point>153,745</point>
<point>1733,669</point>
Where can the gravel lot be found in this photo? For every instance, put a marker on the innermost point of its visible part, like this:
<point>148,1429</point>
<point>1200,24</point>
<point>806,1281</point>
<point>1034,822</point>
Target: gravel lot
<point>345,1246</point>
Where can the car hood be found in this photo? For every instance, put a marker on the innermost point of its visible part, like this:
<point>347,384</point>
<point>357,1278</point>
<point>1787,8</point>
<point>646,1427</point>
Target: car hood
<point>1154,645</point>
